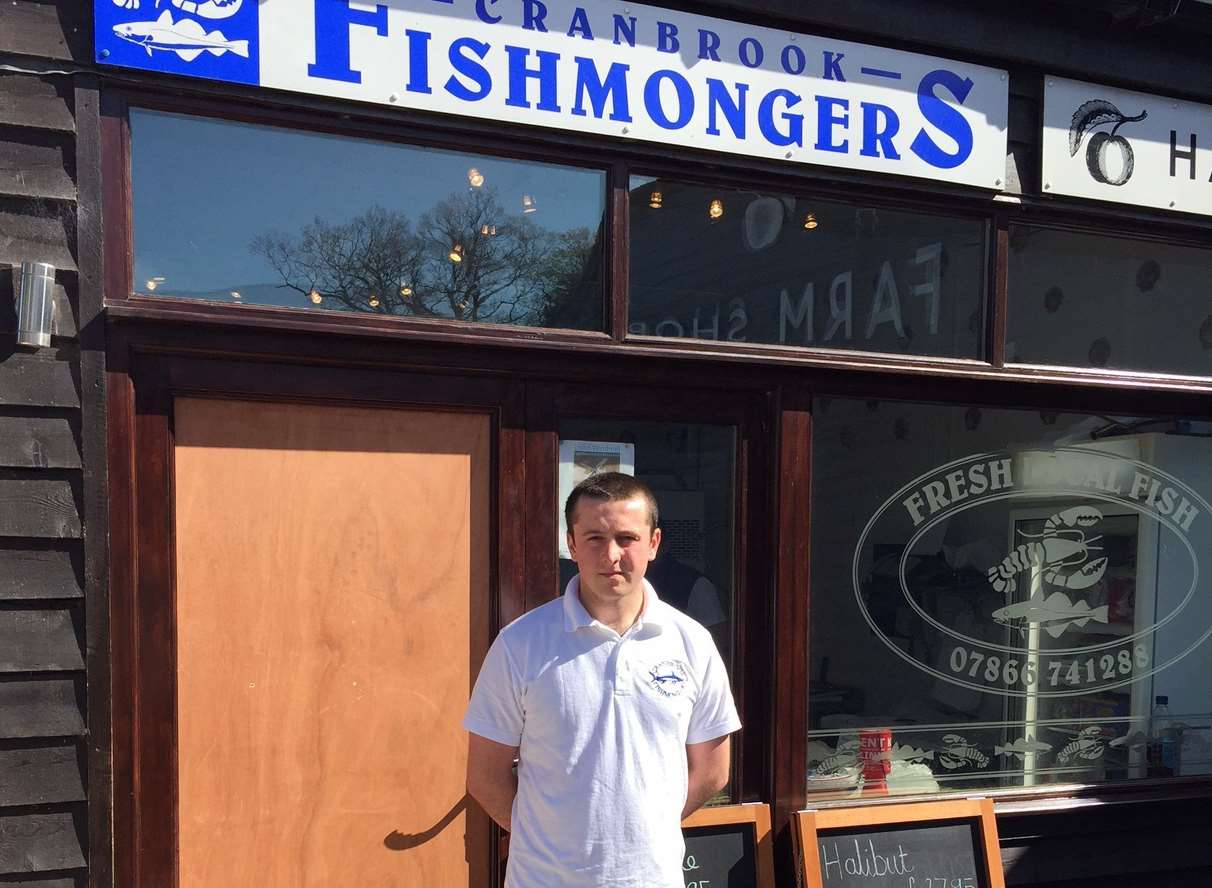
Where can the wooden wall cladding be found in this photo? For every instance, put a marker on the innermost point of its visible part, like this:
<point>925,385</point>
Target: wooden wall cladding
<point>43,820</point>
<point>332,589</point>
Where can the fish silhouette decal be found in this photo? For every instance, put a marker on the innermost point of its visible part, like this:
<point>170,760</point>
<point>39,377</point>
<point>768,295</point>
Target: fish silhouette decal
<point>1022,746</point>
<point>186,38</point>
<point>1054,614</point>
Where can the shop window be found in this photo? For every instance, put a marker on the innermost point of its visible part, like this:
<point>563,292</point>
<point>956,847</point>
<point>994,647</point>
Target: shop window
<point>741,266</point>
<point>1085,300</point>
<point>245,214</point>
<point>1001,597</point>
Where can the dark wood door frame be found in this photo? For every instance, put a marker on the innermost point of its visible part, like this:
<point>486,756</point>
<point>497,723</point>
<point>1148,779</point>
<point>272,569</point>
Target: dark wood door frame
<point>142,387</point>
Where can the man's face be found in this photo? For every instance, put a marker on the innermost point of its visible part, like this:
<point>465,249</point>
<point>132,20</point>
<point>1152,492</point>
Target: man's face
<point>612,543</point>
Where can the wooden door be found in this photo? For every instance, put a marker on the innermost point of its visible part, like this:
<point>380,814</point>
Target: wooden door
<point>332,587</point>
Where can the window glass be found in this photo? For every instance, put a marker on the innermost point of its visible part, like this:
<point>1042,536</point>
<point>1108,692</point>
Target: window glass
<point>1084,300</point>
<point>1000,598</point>
<point>739,266</point>
<point>690,468</point>
<point>252,214</point>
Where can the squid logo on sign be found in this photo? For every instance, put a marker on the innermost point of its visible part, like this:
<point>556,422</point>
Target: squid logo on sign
<point>1109,155</point>
<point>1038,573</point>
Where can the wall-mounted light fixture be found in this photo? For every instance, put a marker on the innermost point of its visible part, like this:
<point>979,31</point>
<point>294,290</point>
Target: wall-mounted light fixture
<point>36,304</point>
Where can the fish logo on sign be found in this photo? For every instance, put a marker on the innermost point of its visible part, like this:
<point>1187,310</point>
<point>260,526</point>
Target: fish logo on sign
<point>186,38</point>
<point>181,36</point>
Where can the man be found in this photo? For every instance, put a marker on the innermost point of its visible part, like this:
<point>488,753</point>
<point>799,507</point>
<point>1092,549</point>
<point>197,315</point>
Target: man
<point>616,704</point>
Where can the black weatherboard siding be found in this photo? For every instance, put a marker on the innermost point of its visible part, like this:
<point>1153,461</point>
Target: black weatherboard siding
<point>51,557</point>
<point>55,789</point>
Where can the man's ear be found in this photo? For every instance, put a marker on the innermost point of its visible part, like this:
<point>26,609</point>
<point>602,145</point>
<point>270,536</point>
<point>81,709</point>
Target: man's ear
<point>655,543</point>
<point>572,546</point>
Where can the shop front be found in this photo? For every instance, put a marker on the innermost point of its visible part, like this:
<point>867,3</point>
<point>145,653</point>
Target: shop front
<point>909,335</point>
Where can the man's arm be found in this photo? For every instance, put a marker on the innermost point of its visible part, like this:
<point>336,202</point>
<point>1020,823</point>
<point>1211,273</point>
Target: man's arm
<point>490,777</point>
<point>708,766</point>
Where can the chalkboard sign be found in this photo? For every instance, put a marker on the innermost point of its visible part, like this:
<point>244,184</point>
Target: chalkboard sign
<point>933,845</point>
<point>728,847</point>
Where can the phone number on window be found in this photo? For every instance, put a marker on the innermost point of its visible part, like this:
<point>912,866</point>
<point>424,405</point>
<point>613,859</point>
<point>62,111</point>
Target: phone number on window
<point>1050,672</point>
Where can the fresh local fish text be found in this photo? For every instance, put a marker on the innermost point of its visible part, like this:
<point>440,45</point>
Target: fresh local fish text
<point>796,100</point>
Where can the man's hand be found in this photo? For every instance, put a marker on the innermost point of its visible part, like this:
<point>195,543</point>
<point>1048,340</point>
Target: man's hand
<point>708,766</point>
<point>490,777</point>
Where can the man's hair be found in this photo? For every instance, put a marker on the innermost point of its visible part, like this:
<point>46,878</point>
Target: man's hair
<point>612,487</point>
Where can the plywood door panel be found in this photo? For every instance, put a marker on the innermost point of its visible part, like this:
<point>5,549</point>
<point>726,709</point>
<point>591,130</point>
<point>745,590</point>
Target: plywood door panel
<point>332,609</point>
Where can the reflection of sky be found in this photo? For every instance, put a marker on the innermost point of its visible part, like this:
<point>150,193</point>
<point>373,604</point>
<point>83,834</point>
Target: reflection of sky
<point>202,189</point>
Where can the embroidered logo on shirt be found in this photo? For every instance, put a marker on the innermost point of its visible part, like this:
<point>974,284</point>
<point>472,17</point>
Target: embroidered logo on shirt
<point>668,677</point>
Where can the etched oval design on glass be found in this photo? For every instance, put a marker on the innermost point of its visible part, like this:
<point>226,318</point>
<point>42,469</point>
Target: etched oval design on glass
<point>1040,573</point>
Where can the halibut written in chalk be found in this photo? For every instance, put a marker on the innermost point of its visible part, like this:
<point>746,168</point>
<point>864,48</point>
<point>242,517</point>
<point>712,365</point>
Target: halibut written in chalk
<point>930,857</point>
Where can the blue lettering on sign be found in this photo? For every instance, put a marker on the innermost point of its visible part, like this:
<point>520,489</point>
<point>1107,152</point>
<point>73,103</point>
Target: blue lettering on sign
<point>667,37</point>
<point>795,122</point>
<point>944,118</point>
<point>750,52</point>
<point>880,124</point>
<point>519,73</point>
<point>469,68</point>
<point>793,59</point>
<point>613,86</point>
<point>709,45</point>
<point>580,24</point>
<point>719,99</point>
<point>652,99</point>
<point>334,18</point>
<point>827,119</point>
<point>482,12</point>
<point>418,61</point>
<point>533,15</point>
<point>624,30</point>
<point>833,66</point>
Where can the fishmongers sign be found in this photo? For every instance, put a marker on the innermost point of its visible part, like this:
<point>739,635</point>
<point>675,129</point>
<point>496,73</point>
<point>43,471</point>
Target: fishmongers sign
<point>1127,147</point>
<point>611,68</point>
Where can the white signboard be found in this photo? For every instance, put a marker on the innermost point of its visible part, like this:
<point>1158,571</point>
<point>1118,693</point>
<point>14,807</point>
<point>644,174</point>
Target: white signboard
<point>611,68</point>
<point>1127,147</point>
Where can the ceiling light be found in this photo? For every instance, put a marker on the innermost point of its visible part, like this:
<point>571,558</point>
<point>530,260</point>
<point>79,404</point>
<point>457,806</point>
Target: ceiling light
<point>810,222</point>
<point>529,205</point>
<point>456,253</point>
<point>475,178</point>
<point>716,208</point>
<point>315,296</point>
<point>405,290</point>
<point>373,301</point>
<point>654,200</point>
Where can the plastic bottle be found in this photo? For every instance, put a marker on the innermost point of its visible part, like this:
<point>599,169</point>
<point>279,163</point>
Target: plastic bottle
<point>1162,751</point>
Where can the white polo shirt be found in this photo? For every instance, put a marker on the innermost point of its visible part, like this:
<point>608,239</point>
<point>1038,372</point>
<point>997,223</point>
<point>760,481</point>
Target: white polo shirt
<point>602,722</point>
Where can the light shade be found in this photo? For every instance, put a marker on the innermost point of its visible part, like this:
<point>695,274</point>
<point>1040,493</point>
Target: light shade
<point>456,253</point>
<point>528,204</point>
<point>655,200</point>
<point>475,178</point>
<point>36,304</point>
<point>810,221</point>
<point>716,208</point>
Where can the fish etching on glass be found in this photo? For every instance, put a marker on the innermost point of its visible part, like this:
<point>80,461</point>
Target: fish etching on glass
<point>1053,614</point>
<point>844,758</point>
<point>1022,746</point>
<point>186,38</point>
<point>959,753</point>
<point>910,754</point>
<point>1087,745</point>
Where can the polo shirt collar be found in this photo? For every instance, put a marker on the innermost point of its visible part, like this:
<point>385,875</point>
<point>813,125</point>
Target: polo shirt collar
<point>577,617</point>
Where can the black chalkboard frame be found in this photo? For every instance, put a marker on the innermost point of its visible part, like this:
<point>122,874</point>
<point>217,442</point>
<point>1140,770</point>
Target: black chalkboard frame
<point>979,811</point>
<point>757,815</point>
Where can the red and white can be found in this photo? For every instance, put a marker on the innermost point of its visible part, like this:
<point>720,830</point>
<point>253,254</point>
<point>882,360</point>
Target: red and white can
<point>875,758</point>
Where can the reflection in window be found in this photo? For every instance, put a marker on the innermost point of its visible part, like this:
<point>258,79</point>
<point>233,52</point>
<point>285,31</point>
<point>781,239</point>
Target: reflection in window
<point>252,214</point>
<point>1000,597</point>
<point>738,266</point>
<point>1084,300</point>
<point>690,469</point>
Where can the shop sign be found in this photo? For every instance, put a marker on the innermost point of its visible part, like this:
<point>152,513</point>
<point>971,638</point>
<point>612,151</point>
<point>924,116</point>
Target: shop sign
<point>1047,621</point>
<point>1126,147</point>
<point>610,68</point>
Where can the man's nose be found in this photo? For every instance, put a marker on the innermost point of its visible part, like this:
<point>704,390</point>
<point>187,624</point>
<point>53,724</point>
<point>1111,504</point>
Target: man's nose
<point>614,552</point>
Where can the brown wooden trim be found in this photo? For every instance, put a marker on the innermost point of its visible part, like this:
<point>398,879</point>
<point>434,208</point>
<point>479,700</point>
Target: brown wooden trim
<point>542,489</point>
<point>995,324</point>
<point>116,197</point>
<point>792,520</point>
<point>122,541</point>
<point>619,239</point>
<point>512,515</point>
<point>754,813</point>
<point>771,359</point>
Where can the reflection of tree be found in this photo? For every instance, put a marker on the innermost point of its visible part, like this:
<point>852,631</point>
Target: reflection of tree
<point>512,270</point>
